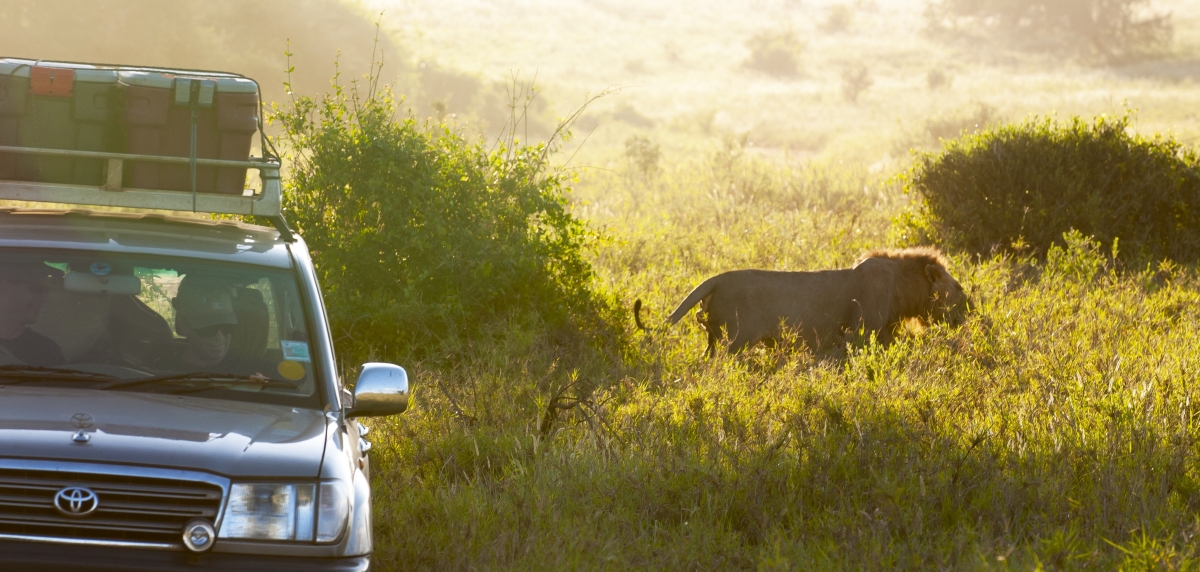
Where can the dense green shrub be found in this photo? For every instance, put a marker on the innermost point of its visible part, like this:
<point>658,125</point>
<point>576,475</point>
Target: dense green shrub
<point>1024,185</point>
<point>423,239</point>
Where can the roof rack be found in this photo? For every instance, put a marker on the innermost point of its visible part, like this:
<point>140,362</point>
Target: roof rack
<point>265,203</point>
<point>231,101</point>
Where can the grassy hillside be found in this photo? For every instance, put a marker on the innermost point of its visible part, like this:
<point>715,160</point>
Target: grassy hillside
<point>682,69</point>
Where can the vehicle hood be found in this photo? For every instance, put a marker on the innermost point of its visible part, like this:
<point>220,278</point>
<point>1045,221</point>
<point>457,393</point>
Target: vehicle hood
<point>236,439</point>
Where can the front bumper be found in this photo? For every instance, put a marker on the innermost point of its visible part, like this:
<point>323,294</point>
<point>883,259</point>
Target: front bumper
<point>22,556</point>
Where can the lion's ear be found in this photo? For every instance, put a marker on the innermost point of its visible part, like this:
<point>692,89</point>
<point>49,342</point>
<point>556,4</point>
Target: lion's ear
<point>934,272</point>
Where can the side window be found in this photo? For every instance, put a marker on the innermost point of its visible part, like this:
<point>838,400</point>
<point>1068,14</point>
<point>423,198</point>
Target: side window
<point>263,291</point>
<point>293,335</point>
<point>292,321</point>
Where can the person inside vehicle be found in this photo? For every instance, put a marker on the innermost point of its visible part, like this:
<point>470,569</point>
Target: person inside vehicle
<point>23,287</point>
<point>205,317</point>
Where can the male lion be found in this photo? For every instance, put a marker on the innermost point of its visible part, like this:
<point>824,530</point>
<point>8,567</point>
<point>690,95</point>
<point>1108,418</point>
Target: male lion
<point>883,289</point>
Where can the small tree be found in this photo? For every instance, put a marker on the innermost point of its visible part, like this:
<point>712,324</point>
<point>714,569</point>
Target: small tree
<point>855,80</point>
<point>643,157</point>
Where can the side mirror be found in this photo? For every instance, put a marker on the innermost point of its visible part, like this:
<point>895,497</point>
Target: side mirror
<point>381,389</point>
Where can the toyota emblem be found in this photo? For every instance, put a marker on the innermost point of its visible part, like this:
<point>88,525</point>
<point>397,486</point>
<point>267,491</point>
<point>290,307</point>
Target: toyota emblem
<point>81,420</point>
<point>76,501</point>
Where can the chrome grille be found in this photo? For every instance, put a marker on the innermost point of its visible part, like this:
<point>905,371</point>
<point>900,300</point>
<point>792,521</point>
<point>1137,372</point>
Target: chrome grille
<point>131,508</point>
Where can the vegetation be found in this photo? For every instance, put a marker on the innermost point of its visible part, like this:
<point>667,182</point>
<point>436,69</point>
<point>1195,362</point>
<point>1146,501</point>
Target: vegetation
<point>950,125</point>
<point>424,241</point>
<point>855,80</point>
<point>1053,431</point>
<point>775,53</point>
<point>643,157</point>
<point>937,79</point>
<point>1024,185</point>
<point>838,19</point>
<point>1113,29</point>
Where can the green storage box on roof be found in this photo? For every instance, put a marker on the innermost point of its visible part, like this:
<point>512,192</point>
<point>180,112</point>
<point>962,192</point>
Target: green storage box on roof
<point>58,106</point>
<point>159,110</point>
<point>14,93</point>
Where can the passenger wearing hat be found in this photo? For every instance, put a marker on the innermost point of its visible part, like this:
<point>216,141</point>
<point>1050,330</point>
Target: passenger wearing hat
<point>23,287</point>
<point>204,315</point>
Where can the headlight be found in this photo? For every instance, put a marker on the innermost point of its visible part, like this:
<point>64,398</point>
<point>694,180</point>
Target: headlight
<point>286,511</point>
<point>335,510</point>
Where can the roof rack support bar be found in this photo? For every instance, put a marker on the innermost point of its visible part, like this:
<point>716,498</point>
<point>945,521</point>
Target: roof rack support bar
<point>192,97</point>
<point>285,232</point>
<point>116,172</point>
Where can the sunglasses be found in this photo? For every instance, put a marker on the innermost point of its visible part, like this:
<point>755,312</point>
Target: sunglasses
<point>211,331</point>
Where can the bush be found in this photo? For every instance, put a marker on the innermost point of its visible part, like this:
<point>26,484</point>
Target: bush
<point>423,240</point>
<point>775,53</point>
<point>937,79</point>
<point>839,19</point>
<point>1022,186</point>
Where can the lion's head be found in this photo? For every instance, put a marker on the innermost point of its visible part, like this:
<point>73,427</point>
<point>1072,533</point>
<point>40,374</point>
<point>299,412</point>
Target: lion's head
<point>934,293</point>
<point>949,302</point>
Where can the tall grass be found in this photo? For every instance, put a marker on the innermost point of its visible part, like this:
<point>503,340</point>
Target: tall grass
<point>1054,430</point>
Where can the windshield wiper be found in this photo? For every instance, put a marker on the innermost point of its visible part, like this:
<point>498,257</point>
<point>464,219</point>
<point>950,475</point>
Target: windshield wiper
<point>17,373</point>
<point>201,381</point>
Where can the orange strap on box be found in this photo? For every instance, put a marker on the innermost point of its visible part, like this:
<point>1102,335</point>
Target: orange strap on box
<point>51,81</point>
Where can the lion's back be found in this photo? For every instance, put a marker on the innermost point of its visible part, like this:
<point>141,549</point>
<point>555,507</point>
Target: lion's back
<point>760,299</point>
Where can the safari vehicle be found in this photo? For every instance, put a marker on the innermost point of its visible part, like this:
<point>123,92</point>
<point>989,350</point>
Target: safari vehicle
<point>169,397</point>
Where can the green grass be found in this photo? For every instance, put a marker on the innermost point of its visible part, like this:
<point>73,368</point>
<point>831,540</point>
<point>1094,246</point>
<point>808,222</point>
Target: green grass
<point>1054,430</point>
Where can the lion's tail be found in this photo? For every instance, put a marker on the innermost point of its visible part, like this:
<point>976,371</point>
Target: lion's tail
<point>701,292</point>
<point>637,315</point>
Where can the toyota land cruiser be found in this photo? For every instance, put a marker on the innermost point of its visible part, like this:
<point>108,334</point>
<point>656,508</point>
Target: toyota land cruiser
<point>169,397</point>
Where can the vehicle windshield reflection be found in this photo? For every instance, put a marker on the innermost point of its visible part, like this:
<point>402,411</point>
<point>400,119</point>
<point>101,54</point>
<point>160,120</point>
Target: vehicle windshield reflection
<point>143,323</point>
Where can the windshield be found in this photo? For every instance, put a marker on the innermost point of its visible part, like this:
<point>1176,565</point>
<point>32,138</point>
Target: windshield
<point>153,324</point>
